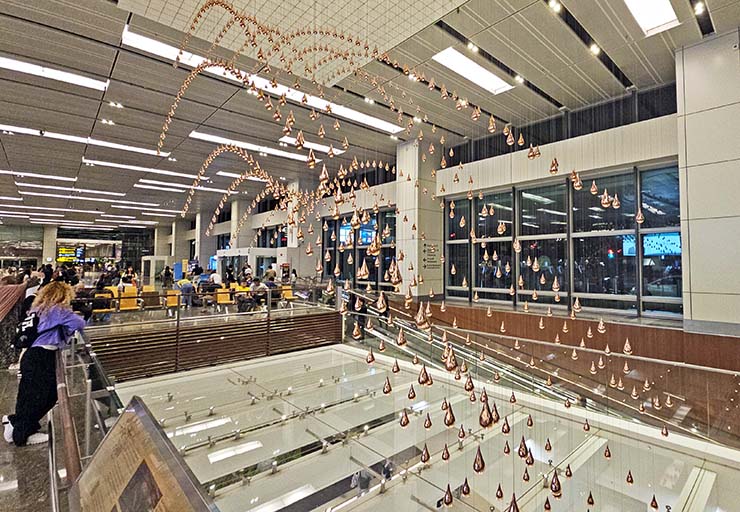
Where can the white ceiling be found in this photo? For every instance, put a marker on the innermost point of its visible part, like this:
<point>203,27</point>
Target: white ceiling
<point>84,37</point>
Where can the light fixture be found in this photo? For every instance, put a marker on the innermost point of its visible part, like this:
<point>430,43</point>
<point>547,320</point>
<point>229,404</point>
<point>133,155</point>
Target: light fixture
<point>472,71</point>
<point>393,137</point>
<point>171,53</point>
<point>108,122</point>
<point>13,215</point>
<point>594,48</point>
<point>50,221</point>
<point>114,104</point>
<point>88,228</point>
<point>10,198</point>
<point>282,178</point>
<point>472,47</point>
<point>46,208</point>
<point>152,214</point>
<point>70,189</point>
<point>53,74</point>
<point>412,77</point>
<point>171,159</point>
<point>654,16</point>
<point>519,79</point>
<point>234,175</point>
<point>699,8</point>
<point>310,145</point>
<point>161,189</point>
<point>80,140</point>
<point>417,119</point>
<point>249,146</point>
<point>142,208</point>
<point>552,212</point>
<point>3,212</point>
<point>369,100</point>
<point>81,198</point>
<point>182,186</point>
<point>537,198</point>
<point>554,5</point>
<point>137,168</point>
<point>117,216</point>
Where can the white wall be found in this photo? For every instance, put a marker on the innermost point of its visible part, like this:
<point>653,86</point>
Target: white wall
<point>638,143</point>
<point>708,90</point>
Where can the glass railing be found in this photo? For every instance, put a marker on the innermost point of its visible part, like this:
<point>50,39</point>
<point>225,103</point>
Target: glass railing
<point>323,429</point>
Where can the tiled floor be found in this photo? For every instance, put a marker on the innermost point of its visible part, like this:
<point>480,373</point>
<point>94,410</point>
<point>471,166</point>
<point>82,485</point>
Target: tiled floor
<point>24,480</point>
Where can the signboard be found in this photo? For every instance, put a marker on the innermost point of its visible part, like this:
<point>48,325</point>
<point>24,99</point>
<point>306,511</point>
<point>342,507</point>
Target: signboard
<point>430,257</point>
<point>66,254</point>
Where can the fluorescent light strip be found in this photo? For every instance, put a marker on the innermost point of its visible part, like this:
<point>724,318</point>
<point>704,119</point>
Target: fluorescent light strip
<point>80,140</point>
<point>180,185</point>
<point>148,214</point>
<point>161,189</point>
<point>169,52</point>
<point>117,216</point>
<point>472,71</point>
<point>10,198</point>
<point>70,189</point>
<point>310,145</point>
<point>45,208</point>
<point>653,16</point>
<point>240,449</point>
<point>53,74</point>
<point>234,175</point>
<point>89,228</point>
<point>142,208</point>
<point>247,145</point>
<point>13,216</point>
<point>114,165</point>
<point>32,213</point>
<point>81,198</point>
<point>21,174</point>
<point>54,221</point>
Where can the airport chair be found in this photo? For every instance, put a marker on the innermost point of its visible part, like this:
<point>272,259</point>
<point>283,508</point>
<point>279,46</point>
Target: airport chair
<point>129,300</point>
<point>224,299</point>
<point>171,300</point>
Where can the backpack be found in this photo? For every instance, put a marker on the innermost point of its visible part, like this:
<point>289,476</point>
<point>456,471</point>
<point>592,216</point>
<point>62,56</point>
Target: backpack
<point>28,332</point>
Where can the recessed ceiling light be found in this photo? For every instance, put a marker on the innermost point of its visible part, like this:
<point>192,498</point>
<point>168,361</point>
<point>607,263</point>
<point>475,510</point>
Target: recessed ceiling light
<point>472,71</point>
<point>82,198</point>
<point>249,146</point>
<point>472,48</point>
<point>69,189</point>
<point>311,145</point>
<point>53,74</point>
<point>171,53</point>
<point>107,121</point>
<point>519,79</point>
<point>137,168</point>
<point>554,5</point>
<point>595,49</point>
<point>369,100</point>
<point>282,178</point>
<point>80,140</point>
<point>412,77</point>
<point>654,16</point>
<point>161,189</point>
<point>115,104</point>
<point>699,8</point>
<point>417,119</point>
<point>182,186</point>
<point>234,175</point>
<point>393,137</point>
<point>171,159</point>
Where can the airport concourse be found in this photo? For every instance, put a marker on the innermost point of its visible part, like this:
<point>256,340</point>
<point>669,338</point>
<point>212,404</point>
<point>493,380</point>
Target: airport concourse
<point>466,255</point>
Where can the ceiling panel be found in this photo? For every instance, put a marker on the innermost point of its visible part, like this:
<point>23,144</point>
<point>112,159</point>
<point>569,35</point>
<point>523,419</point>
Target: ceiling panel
<point>725,14</point>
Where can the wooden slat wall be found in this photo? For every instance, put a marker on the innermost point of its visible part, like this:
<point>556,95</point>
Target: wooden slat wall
<point>138,355</point>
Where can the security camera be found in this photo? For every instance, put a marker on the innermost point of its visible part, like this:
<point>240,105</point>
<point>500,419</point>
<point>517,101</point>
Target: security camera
<point>735,46</point>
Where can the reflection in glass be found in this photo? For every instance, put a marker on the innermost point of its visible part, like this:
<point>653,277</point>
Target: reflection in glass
<point>660,198</point>
<point>491,264</point>
<point>542,210</point>
<point>605,265</point>
<point>501,206</point>
<point>590,215</point>
<point>661,265</point>
<point>457,255</point>
<point>454,231</point>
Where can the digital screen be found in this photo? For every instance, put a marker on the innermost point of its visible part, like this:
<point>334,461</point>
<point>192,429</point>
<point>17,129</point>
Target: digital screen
<point>344,232</point>
<point>661,244</point>
<point>66,254</point>
<point>654,244</point>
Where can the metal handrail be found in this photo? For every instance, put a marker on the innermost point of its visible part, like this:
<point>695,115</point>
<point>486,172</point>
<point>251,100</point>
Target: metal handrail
<point>71,449</point>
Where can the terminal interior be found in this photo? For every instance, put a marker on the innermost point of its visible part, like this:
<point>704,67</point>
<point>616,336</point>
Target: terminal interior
<point>362,255</point>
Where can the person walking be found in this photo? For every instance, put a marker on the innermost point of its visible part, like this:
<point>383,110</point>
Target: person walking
<point>37,391</point>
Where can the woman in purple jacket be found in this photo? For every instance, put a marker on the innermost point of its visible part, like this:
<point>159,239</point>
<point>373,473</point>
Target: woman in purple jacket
<point>37,391</point>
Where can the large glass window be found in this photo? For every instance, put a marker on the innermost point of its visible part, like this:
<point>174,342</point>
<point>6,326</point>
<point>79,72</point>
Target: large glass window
<point>599,212</point>
<point>605,265</point>
<point>661,265</point>
<point>542,210</point>
<point>458,219</point>
<point>493,211</point>
<point>494,265</point>
<point>540,263</point>
<point>660,198</point>
<point>458,266</point>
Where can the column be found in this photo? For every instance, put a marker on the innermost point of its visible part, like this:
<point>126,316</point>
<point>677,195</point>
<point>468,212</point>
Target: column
<point>162,240</point>
<point>708,93</point>
<point>421,247</point>
<point>180,244</point>
<point>49,249</point>
<point>205,246</point>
